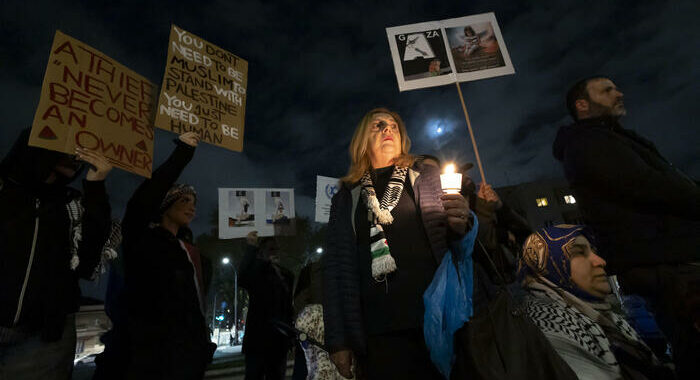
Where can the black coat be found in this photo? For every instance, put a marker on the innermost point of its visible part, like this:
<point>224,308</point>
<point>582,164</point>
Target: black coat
<point>32,207</point>
<point>342,311</point>
<point>168,335</point>
<point>270,301</point>
<point>643,210</point>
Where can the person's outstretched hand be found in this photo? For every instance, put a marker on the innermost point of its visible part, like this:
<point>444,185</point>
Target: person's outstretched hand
<point>99,165</point>
<point>189,138</point>
<point>487,193</point>
<point>343,362</point>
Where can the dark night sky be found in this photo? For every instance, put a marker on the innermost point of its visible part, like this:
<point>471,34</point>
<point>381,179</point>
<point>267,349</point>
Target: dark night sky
<point>315,69</point>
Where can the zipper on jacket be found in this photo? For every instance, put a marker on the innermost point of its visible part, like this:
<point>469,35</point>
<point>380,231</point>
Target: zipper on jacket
<point>29,265</point>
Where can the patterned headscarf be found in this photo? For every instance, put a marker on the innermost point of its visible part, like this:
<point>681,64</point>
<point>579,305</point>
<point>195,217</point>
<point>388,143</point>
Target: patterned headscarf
<point>576,315</point>
<point>176,192</point>
<point>547,253</point>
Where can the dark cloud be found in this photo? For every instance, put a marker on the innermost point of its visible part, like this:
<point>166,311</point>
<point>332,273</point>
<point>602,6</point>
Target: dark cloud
<point>316,68</point>
<point>533,122</point>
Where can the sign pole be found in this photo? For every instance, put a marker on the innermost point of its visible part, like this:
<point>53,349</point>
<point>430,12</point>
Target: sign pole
<point>471,133</point>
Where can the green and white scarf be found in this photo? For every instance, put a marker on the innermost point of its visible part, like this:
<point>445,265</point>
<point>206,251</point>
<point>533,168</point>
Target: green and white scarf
<point>382,261</point>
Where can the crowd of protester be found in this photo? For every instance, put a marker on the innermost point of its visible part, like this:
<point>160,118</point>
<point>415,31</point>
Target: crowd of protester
<point>415,283</point>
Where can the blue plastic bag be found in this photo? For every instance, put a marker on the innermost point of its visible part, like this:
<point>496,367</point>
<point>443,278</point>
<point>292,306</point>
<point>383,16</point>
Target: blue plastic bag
<point>448,301</point>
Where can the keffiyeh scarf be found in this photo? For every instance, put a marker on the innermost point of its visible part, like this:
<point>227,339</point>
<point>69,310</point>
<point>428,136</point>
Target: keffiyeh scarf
<point>382,261</point>
<point>76,211</point>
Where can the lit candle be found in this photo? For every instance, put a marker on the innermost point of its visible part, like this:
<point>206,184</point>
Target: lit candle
<point>451,181</point>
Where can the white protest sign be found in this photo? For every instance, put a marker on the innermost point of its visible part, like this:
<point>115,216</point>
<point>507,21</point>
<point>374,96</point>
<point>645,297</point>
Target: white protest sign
<point>242,210</point>
<point>442,52</point>
<point>326,187</point>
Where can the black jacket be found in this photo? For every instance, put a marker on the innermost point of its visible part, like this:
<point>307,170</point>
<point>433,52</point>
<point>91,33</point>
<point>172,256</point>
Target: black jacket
<point>270,300</point>
<point>168,335</point>
<point>37,286</point>
<point>643,210</point>
<point>342,311</point>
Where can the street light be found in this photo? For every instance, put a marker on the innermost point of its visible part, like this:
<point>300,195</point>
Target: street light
<point>319,250</point>
<point>226,261</point>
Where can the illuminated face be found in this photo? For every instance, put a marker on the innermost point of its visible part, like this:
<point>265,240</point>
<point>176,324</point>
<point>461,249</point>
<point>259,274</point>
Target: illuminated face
<point>384,138</point>
<point>605,99</point>
<point>182,211</point>
<point>588,269</point>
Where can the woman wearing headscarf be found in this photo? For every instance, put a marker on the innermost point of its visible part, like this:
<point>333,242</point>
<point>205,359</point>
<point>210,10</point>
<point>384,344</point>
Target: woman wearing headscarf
<point>165,335</point>
<point>568,291</point>
<point>390,227</point>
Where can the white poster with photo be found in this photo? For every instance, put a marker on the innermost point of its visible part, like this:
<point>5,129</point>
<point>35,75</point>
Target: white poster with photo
<point>326,187</point>
<point>476,47</point>
<point>242,210</point>
<point>420,55</point>
<point>442,52</point>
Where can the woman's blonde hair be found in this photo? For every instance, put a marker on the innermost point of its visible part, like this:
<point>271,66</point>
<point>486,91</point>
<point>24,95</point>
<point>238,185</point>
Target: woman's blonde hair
<point>359,152</point>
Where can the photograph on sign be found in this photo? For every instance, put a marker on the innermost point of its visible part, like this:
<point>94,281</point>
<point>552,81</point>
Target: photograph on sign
<point>326,188</point>
<point>242,208</point>
<point>477,48</point>
<point>270,212</point>
<point>474,47</point>
<point>277,207</point>
<point>90,101</point>
<point>420,56</point>
<point>203,91</point>
<point>423,54</point>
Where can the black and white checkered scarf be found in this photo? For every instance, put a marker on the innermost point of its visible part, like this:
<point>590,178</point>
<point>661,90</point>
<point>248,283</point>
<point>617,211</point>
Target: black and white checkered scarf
<point>558,312</point>
<point>382,261</point>
<point>76,211</point>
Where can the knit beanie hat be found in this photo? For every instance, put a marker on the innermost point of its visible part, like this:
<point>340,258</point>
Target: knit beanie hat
<point>176,192</point>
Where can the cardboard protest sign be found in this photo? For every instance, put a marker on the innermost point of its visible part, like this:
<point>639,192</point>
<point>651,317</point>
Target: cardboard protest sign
<point>268,211</point>
<point>203,91</point>
<point>326,187</point>
<point>442,52</point>
<point>88,100</point>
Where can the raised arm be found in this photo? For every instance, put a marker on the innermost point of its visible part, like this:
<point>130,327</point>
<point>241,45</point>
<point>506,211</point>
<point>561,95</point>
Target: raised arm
<point>96,223</point>
<point>144,204</point>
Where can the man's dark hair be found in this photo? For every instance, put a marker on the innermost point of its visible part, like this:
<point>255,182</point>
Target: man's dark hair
<point>269,246</point>
<point>579,91</point>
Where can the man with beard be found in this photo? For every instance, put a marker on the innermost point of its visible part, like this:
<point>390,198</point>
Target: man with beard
<point>645,213</point>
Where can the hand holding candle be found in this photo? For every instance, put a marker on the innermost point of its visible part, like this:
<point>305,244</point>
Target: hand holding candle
<point>456,206</point>
<point>451,182</point>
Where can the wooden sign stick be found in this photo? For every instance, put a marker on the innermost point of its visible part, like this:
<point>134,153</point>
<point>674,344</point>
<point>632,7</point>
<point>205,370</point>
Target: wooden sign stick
<point>471,134</point>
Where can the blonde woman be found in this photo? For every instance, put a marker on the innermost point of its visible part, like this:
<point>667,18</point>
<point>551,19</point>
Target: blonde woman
<point>389,228</point>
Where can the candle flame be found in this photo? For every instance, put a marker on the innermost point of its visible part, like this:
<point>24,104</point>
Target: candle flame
<point>449,169</point>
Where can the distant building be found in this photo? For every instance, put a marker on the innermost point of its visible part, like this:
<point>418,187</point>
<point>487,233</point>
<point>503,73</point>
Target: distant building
<point>543,203</point>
